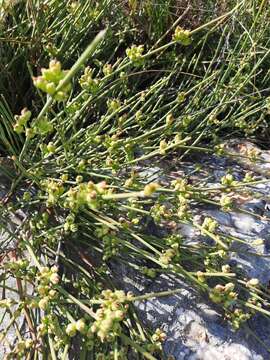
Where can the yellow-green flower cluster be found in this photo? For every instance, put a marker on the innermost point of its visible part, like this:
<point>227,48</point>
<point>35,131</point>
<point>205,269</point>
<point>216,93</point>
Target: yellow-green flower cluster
<point>149,189</point>
<point>157,339</point>
<point>86,194</point>
<point>47,149</point>
<point>43,126</point>
<point>159,336</point>
<point>223,294</point>
<point>228,180</point>
<point>107,69</point>
<point>70,223</point>
<point>134,53</point>
<point>54,190</point>
<point>139,117</point>
<point>163,147</point>
<point>159,212</point>
<point>237,317</point>
<point>73,7</point>
<point>110,240</point>
<point>87,82</point>
<point>113,105</point>
<point>110,314</point>
<point>183,209</point>
<point>39,222</point>
<point>51,79</point>
<point>180,185</point>
<point>209,225</point>
<point>182,36</point>
<point>248,177</point>
<point>50,325</point>
<point>169,119</point>
<point>17,267</point>
<point>174,241</point>
<point>21,121</point>
<point>47,278</point>
<point>6,303</point>
<point>181,97</point>
<point>167,256</point>
<point>76,326</point>
<point>20,349</point>
<point>252,282</point>
<point>225,202</point>
<point>84,329</point>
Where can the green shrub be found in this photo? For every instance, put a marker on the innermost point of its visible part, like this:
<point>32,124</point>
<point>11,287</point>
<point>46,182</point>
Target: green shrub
<point>80,130</point>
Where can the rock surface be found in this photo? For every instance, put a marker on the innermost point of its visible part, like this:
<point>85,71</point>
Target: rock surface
<point>195,329</point>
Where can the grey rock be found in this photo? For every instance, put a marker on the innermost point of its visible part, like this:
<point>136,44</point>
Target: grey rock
<point>195,329</point>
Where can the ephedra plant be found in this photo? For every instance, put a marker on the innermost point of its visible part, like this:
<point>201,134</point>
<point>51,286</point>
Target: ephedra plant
<point>73,159</point>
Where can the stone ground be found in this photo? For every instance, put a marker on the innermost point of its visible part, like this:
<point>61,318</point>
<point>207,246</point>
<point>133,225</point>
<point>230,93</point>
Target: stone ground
<point>195,329</point>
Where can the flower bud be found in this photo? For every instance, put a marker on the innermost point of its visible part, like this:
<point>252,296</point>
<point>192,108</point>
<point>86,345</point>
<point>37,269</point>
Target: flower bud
<point>252,282</point>
<point>54,278</point>
<point>169,119</point>
<point>50,88</point>
<point>28,343</point>
<point>43,303</point>
<point>81,326</point>
<point>149,189</point>
<point>51,147</point>
<point>71,329</point>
